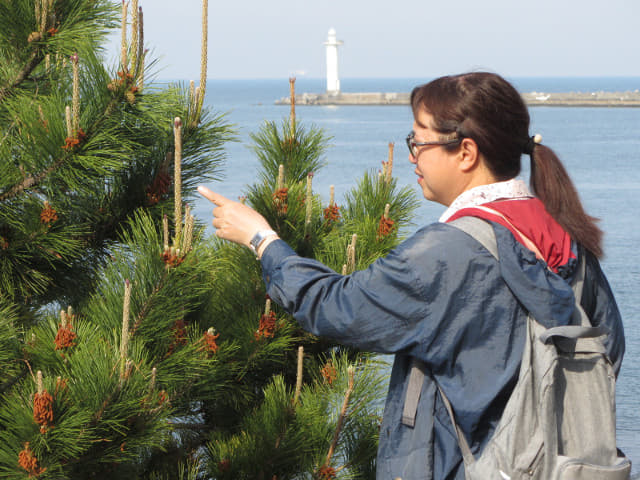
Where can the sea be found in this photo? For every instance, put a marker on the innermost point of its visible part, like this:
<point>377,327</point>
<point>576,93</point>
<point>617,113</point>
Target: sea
<point>600,147</point>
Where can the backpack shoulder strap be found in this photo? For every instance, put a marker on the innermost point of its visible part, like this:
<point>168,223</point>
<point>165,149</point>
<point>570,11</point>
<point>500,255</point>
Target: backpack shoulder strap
<point>479,229</point>
<point>582,331</point>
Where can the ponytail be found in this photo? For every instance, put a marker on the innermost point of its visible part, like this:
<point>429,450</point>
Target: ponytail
<point>552,185</point>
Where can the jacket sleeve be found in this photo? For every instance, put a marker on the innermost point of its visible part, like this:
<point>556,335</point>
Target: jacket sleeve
<point>374,309</point>
<point>421,299</point>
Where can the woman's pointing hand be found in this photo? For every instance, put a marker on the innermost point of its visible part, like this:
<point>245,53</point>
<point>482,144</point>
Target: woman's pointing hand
<point>234,221</point>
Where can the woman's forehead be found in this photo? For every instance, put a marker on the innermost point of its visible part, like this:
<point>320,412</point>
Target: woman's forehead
<point>423,119</point>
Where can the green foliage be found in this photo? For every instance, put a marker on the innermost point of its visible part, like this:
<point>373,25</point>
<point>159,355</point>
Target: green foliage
<point>292,438</point>
<point>204,384</point>
<point>81,26</point>
<point>121,159</point>
<point>361,215</point>
<point>9,347</point>
<point>297,149</point>
<point>107,414</point>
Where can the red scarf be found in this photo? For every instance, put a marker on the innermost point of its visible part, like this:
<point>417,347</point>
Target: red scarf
<point>528,217</point>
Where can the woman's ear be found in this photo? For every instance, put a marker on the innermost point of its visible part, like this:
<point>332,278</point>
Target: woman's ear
<point>469,155</point>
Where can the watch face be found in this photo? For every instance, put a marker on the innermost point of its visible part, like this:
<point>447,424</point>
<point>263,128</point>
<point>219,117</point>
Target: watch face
<point>255,241</point>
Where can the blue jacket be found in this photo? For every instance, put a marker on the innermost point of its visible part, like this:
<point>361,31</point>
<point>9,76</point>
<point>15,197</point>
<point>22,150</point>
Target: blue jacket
<point>441,297</point>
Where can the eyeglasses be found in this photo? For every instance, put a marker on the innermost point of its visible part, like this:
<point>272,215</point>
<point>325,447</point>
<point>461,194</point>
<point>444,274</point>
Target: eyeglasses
<point>413,145</point>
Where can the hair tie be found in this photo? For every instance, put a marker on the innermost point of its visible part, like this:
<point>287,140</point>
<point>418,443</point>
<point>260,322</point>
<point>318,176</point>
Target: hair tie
<point>532,142</point>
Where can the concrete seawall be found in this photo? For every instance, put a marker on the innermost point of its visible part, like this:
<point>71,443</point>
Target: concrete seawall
<point>572,99</point>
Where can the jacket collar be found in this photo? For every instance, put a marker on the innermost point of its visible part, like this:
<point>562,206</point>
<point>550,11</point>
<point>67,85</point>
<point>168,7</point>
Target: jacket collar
<point>513,189</point>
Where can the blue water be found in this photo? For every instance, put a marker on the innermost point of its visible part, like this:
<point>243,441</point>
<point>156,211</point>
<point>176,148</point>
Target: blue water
<point>599,146</point>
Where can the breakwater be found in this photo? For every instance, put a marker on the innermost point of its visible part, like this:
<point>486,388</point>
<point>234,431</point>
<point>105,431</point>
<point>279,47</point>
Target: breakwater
<point>571,99</point>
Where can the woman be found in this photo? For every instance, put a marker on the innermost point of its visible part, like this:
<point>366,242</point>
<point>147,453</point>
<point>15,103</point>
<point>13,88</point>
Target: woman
<point>440,297</point>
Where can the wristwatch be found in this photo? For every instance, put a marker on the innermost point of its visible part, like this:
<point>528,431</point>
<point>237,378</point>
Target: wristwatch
<point>258,238</point>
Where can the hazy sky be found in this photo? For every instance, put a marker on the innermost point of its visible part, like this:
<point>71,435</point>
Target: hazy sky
<point>396,38</point>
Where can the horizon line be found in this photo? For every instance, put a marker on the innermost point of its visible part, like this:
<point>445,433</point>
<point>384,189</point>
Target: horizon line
<point>304,77</point>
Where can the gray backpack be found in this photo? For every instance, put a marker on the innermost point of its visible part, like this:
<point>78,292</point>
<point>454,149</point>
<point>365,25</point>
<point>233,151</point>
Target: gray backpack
<point>560,421</point>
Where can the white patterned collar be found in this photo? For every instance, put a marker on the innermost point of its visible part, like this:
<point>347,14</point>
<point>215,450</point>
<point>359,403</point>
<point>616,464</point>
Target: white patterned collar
<point>514,189</point>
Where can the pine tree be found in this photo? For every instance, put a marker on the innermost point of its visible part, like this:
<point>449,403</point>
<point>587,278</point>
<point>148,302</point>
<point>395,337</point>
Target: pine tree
<point>316,416</point>
<point>86,176</point>
<point>131,345</point>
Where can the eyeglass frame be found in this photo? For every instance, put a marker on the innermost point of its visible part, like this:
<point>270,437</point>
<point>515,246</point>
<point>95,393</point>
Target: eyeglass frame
<point>413,145</point>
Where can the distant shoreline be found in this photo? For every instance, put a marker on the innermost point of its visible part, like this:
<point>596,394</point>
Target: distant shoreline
<point>549,99</point>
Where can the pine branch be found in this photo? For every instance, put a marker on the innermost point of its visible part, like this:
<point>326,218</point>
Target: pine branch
<point>343,414</point>
<point>31,181</point>
<point>15,120</point>
<point>34,61</point>
<point>147,304</point>
<point>35,180</point>
<point>190,425</point>
<point>299,375</point>
<point>6,386</point>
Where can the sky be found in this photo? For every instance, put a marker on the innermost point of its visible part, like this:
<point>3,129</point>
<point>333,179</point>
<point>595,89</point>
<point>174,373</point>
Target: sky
<point>394,38</point>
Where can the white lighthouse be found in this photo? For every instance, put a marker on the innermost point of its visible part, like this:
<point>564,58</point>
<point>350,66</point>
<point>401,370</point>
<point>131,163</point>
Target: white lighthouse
<point>333,82</point>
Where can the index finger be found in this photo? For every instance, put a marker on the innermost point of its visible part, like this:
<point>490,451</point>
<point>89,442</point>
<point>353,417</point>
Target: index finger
<point>212,196</point>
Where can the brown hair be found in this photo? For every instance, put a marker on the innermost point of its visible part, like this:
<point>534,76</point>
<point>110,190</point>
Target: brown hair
<point>486,108</point>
